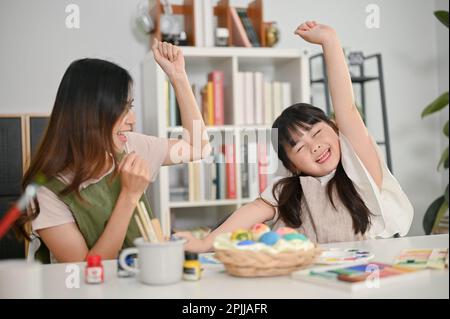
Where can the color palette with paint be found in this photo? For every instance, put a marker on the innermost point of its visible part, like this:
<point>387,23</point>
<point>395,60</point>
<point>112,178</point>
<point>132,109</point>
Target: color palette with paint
<point>342,256</point>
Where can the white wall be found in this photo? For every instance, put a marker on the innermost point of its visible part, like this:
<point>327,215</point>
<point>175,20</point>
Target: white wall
<point>36,48</point>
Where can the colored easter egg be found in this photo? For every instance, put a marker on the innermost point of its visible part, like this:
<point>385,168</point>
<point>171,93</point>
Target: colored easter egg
<point>285,230</point>
<point>295,236</point>
<point>258,230</point>
<point>269,238</point>
<point>246,243</point>
<point>240,235</point>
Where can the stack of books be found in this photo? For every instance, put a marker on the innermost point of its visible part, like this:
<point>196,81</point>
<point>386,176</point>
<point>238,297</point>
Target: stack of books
<point>261,101</point>
<point>210,99</point>
<point>214,178</point>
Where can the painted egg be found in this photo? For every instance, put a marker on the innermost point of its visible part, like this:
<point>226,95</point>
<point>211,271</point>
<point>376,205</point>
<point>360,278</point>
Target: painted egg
<point>246,243</point>
<point>258,230</point>
<point>269,238</point>
<point>240,235</point>
<point>285,230</point>
<point>295,236</point>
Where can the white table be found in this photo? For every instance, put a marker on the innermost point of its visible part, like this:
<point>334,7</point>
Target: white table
<point>215,283</point>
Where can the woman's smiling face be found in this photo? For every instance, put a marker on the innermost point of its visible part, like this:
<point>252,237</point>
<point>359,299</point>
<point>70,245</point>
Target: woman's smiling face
<point>314,152</point>
<point>125,124</point>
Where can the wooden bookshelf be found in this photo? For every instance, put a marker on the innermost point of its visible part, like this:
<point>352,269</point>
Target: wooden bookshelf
<point>255,12</point>
<point>286,65</point>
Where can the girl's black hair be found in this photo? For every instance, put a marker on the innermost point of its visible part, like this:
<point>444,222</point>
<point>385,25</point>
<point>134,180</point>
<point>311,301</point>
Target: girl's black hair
<point>288,191</point>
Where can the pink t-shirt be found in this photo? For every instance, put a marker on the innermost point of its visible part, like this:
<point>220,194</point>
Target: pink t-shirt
<point>54,212</point>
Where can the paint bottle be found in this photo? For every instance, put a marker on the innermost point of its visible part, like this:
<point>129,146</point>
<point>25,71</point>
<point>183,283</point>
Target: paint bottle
<point>94,273</point>
<point>130,261</point>
<point>192,267</point>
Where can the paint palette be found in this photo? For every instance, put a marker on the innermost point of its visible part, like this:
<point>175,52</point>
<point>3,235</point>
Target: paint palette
<point>342,256</point>
<point>209,259</point>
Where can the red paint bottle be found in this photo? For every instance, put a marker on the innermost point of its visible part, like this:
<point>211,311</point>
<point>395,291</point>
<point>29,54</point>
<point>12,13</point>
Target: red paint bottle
<point>94,270</point>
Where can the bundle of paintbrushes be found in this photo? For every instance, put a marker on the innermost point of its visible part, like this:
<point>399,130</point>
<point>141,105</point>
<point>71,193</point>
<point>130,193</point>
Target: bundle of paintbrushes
<point>150,229</point>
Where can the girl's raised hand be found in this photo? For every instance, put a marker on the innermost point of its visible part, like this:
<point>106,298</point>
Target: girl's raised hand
<point>315,33</point>
<point>170,58</point>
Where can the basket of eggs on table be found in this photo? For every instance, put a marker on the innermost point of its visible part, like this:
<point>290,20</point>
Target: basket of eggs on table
<point>260,252</point>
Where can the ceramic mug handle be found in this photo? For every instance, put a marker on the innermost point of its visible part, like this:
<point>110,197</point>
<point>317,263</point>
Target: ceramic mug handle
<point>123,256</point>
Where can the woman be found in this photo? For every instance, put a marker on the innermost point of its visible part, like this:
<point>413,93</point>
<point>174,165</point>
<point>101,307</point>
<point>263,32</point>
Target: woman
<point>86,205</point>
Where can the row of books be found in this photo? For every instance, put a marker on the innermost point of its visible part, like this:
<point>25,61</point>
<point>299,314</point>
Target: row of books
<point>261,101</point>
<point>215,178</point>
<point>210,99</point>
<point>243,32</point>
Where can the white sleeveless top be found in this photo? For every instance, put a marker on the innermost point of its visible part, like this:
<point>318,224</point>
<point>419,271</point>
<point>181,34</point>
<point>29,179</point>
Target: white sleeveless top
<point>391,209</point>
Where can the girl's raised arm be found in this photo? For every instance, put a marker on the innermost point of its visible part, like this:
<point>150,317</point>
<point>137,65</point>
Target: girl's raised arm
<point>348,119</point>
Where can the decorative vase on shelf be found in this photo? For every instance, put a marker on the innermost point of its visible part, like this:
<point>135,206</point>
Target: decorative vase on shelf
<point>272,34</point>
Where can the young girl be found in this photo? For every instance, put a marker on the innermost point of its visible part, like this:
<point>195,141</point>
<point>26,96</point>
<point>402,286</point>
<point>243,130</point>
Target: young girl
<point>86,205</point>
<point>340,188</point>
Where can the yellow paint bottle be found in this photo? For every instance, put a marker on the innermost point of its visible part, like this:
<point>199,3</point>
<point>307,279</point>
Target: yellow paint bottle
<point>192,268</point>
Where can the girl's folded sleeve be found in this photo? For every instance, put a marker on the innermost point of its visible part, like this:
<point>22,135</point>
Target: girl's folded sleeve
<point>392,211</point>
<point>152,149</point>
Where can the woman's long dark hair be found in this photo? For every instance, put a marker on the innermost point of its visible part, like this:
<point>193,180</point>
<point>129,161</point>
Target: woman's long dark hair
<point>92,96</point>
<point>288,191</point>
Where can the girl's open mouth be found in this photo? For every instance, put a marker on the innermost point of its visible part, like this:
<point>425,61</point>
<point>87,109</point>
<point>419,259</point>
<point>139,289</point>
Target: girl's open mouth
<point>324,157</point>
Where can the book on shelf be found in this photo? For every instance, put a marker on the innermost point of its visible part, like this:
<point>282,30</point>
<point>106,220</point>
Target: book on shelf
<point>245,190</point>
<point>253,173</point>
<point>261,101</point>
<point>259,97</point>
<point>277,99</point>
<point>191,184</point>
<point>198,22</point>
<point>263,166</point>
<point>217,79</point>
<point>211,98</point>
<point>268,103</point>
<point>230,165</point>
<point>240,117</point>
<point>248,26</point>
<point>239,35</point>
<point>172,107</point>
<point>286,94</point>
<point>249,96</point>
<point>208,23</point>
<point>220,176</point>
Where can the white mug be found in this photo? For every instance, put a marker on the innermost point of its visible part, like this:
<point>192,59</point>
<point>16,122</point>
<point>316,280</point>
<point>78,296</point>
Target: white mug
<point>20,279</point>
<point>158,263</point>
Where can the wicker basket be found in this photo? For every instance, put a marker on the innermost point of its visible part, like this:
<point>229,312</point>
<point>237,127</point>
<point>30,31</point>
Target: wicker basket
<point>242,263</point>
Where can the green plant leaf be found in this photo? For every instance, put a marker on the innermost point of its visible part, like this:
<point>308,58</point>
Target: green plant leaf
<point>444,159</point>
<point>446,129</point>
<point>442,16</point>
<point>439,216</point>
<point>446,195</point>
<point>430,215</point>
<point>436,105</point>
